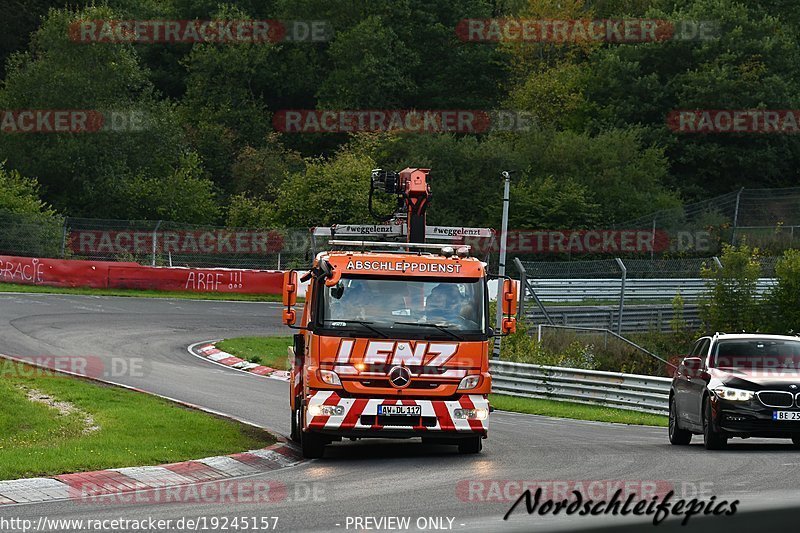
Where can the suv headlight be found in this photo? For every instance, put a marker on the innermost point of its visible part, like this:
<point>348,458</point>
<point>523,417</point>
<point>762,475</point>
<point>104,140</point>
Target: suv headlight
<point>469,382</point>
<point>734,395</point>
<point>330,377</point>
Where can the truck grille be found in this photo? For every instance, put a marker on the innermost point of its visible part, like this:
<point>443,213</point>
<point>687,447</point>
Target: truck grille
<point>415,384</point>
<point>775,398</point>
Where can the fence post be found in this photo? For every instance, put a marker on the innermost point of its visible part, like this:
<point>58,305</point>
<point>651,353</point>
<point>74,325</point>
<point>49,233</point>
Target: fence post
<point>653,241</point>
<point>624,270</point>
<point>535,297</point>
<point>64,239</point>
<point>155,241</point>
<point>736,216</point>
<point>523,287</point>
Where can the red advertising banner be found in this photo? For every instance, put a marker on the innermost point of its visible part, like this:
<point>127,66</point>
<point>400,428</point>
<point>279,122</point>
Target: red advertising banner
<point>117,275</point>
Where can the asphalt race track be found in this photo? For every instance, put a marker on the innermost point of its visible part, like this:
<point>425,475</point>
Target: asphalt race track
<point>378,478</point>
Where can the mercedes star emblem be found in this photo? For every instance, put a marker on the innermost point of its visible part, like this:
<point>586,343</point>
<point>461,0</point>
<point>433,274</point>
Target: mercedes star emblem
<point>400,377</point>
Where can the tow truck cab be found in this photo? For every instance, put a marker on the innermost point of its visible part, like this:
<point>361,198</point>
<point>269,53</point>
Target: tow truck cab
<point>393,345</point>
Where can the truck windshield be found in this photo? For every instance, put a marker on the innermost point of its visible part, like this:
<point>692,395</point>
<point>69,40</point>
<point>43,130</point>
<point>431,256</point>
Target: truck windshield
<point>403,304</point>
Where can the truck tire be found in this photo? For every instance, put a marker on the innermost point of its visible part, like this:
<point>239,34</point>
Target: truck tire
<point>313,445</point>
<point>296,423</point>
<point>471,445</point>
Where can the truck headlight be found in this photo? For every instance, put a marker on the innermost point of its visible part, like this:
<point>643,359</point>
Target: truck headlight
<point>469,382</point>
<point>330,377</point>
<point>479,413</point>
<point>734,395</point>
<point>326,410</point>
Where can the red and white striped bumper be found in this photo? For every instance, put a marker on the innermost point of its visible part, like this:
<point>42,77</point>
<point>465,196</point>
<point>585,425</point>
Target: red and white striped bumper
<point>437,415</point>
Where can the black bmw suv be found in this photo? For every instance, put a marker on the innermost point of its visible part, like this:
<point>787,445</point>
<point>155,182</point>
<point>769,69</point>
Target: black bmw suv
<point>739,385</point>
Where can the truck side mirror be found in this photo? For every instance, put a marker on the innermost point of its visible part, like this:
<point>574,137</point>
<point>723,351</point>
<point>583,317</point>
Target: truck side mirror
<point>289,297</point>
<point>333,276</point>
<point>509,323</point>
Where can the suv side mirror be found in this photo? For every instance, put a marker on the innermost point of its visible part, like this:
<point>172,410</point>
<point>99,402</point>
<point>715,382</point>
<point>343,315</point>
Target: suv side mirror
<point>693,363</point>
<point>694,367</point>
<point>289,297</point>
<point>509,324</point>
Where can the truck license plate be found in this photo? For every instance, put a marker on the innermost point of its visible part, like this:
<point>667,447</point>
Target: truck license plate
<point>399,410</point>
<point>786,415</point>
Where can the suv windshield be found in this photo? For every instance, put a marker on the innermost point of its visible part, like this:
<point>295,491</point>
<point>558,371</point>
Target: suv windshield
<point>406,304</point>
<point>756,353</point>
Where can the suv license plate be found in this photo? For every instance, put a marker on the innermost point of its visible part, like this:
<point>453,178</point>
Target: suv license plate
<point>786,415</point>
<point>399,410</point>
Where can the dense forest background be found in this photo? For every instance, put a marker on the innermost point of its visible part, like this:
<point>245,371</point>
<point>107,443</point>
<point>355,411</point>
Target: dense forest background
<point>600,152</point>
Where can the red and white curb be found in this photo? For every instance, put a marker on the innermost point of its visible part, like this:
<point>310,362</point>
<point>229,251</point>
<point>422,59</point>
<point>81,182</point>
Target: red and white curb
<point>119,481</point>
<point>209,351</point>
<point>89,486</point>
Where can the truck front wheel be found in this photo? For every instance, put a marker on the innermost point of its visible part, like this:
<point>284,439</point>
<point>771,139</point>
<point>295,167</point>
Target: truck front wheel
<point>296,423</point>
<point>313,444</point>
<point>471,445</point>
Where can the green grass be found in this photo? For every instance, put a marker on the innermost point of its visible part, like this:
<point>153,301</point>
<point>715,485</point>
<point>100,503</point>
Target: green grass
<point>574,410</point>
<point>137,293</point>
<point>135,429</point>
<point>267,351</point>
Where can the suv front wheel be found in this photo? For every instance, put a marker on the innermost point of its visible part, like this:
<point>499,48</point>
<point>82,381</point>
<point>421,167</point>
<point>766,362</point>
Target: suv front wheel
<point>677,435</point>
<point>713,440</point>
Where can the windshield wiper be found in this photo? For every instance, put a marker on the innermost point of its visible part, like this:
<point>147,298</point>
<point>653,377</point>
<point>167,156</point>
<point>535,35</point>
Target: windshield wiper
<point>364,323</point>
<point>437,326</point>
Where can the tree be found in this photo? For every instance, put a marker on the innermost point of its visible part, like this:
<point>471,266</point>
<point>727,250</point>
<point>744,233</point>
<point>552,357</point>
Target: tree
<point>624,176</point>
<point>785,297</point>
<point>372,68</point>
<point>29,225</point>
<point>20,195</point>
<point>87,173</point>
<point>183,195</point>
<point>547,203</point>
<point>731,305</point>
<point>260,171</point>
<point>753,63</point>
<point>329,192</point>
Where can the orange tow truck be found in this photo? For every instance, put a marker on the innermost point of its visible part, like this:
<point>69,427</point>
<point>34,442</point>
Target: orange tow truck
<point>395,335</point>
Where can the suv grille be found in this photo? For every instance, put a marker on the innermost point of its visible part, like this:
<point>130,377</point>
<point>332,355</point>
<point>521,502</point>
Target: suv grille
<point>775,398</point>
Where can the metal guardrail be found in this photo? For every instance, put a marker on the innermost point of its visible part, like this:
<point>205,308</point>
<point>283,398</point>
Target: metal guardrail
<point>637,318</point>
<point>663,289</point>
<point>634,392</point>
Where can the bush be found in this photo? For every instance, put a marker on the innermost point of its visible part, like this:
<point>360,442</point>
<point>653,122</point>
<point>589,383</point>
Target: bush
<point>28,226</point>
<point>785,298</point>
<point>732,305</point>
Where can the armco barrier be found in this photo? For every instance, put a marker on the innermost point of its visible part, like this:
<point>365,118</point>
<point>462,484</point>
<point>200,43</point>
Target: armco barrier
<point>116,275</point>
<point>648,394</point>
